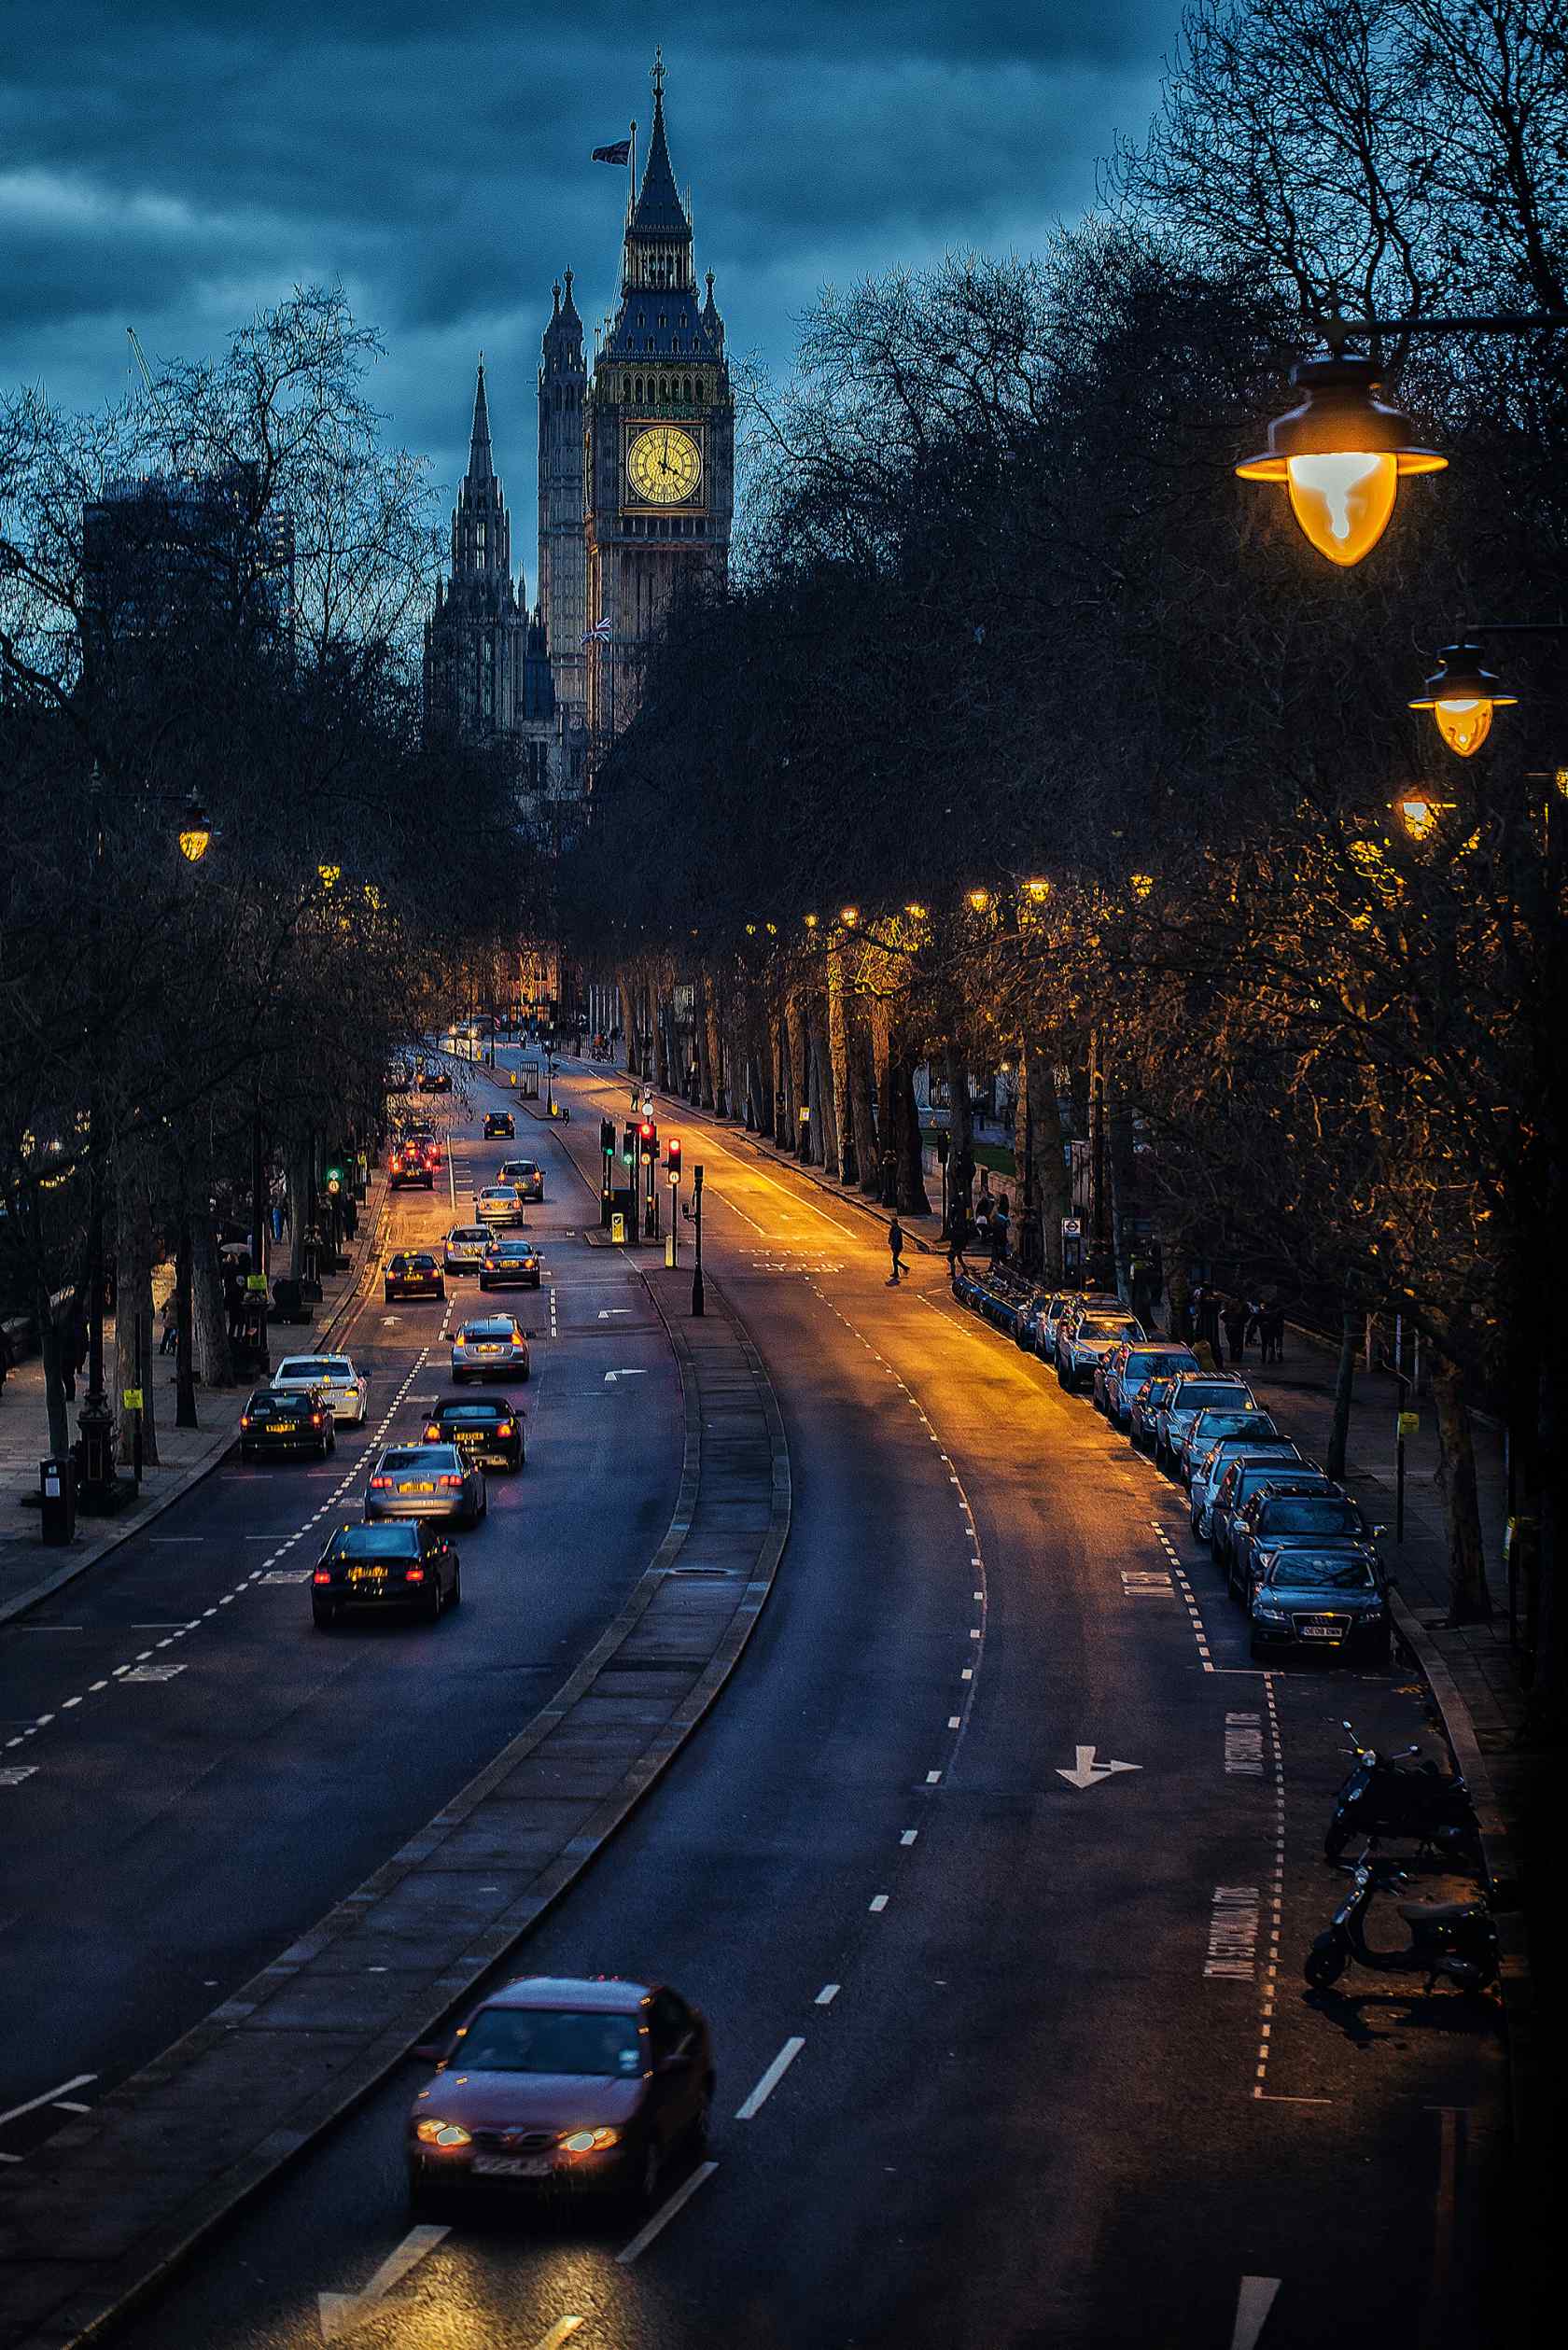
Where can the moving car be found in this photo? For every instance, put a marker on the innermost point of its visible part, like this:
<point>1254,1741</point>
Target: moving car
<point>510,1265</point>
<point>1091,1332</point>
<point>499,1205</point>
<point>484,1428</point>
<point>499,1126</point>
<point>1325,1602</point>
<point>586,2086</point>
<point>292,1420</point>
<point>1192,1392</point>
<point>489,1348</point>
<point>527,1176</point>
<point>426,1482</point>
<point>381,1567</point>
<point>410,1162</point>
<point>413,1273</point>
<point>465,1246</point>
<point>333,1376</point>
<point>435,1079</point>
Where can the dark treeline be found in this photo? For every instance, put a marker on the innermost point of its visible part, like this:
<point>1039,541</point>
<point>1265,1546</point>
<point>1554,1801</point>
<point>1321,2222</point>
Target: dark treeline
<point>1008,619</point>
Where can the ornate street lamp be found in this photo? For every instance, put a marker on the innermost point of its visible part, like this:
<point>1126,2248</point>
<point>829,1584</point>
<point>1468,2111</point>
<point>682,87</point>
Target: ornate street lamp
<point>1462,697</point>
<point>195,833</point>
<point>849,915</point>
<point>1341,451</point>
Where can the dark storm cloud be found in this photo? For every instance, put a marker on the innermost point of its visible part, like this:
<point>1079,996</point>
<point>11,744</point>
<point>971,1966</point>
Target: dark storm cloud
<point>175,165</point>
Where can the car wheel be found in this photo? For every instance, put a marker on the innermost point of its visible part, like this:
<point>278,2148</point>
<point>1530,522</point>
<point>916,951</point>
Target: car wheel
<point>1254,1648</point>
<point>644,2189</point>
<point>527,1372</point>
<point>440,1290</point>
<point>1381,1654</point>
<point>245,1453</point>
<point>454,1597</point>
<point>702,2128</point>
<point>426,2198</point>
<point>323,1615</point>
<point>433,1605</point>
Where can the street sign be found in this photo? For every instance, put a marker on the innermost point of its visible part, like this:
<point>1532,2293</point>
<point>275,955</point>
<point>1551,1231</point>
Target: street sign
<point>132,1399</point>
<point>618,1229</point>
<point>1409,1423</point>
<point>255,1281</point>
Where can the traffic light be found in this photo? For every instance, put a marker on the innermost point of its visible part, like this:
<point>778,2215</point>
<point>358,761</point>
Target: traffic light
<point>629,1146</point>
<point>672,1157</point>
<point>650,1134</point>
<point>607,1136</point>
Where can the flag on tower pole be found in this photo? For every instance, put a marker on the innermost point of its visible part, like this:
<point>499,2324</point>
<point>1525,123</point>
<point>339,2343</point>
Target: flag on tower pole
<point>599,633</point>
<point>620,152</point>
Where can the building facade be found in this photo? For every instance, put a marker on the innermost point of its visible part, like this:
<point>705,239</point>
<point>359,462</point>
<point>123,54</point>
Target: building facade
<point>563,556</point>
<point>658,444</point>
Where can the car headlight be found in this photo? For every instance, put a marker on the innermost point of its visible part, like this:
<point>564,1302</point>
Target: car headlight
<point>1271,1615</point>
<point>590,2141</point>
<point>441,2133</point>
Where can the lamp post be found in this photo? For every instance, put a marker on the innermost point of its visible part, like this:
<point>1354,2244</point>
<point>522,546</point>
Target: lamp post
<point>95,1422</point>
<point>697,1300</point>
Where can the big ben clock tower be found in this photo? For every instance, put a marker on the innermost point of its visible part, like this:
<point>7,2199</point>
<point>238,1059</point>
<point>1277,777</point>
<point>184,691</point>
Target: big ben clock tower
<point>659,442</point>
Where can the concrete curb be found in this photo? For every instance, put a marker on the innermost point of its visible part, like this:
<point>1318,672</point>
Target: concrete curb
<point>126,2278</point>
<point>194,1471</point>
<point>1497,1858</point>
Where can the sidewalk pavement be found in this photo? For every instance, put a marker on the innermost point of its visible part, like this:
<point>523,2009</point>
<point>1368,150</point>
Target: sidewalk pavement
<point>29,1569</point>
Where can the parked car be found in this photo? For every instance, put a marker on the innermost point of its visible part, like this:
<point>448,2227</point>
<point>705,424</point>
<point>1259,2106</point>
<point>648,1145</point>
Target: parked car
<point>1148,1402</point>
<point>1256,1544</point>
<point>1192,1392</point>
<point>286,1420</point>
<point>345,1391</point>
<point>379,1568</point>
<point>499,1126</point>
<point>566,2085</point>
<point>413,1273</point>
<point>426,1482</point>
<point>1245,1446</point>
<point>1208,1426</point>
<point>1091,1332</point>
<point>1321,1602</point>
<point>1126,1368</point>
<point>484,1428</point>
<point>491,1346</point>
<point>1242,1484</point>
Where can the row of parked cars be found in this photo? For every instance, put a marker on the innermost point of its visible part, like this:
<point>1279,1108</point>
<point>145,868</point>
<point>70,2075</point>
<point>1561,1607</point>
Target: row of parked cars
<point>1297,1552</point>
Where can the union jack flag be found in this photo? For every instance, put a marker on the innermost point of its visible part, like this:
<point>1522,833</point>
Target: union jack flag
<point>599,633</point>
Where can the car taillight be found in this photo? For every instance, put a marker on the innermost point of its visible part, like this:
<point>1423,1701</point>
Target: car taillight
<point>413,1575</point>
<point>433,1434</point>
<point>504,1428</point>
<point>322,1574</point>
<point>452,1480</point>
<point>315,1420</point>
<point>381,1485</point>
<point>245,1419</point>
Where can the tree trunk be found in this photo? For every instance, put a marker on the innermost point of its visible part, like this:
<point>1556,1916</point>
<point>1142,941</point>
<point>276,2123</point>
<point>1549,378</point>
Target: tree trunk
<point>838,1071</point>
<point>823,1090</point>
<point>1469,1601</point>
<point>213,1360</point>
<point>715,1091</point>
<point>1120,1155</point>
<point>800,1128</point>
<point>52,1347</point>
<point>1344,1391</point>
<point>862,1072</point>
<point>960,1133</point>
<point>1043,1144</point>
<point>913,1198</point>
<point>185,1383</point>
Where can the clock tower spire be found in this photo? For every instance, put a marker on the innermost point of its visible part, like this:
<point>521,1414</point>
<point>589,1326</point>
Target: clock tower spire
<point>660,442</point>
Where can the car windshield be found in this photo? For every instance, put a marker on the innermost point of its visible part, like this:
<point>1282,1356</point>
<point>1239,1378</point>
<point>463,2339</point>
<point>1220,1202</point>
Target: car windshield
<point>374,1542</point>
<point>1308,1517</point>
<point>1326,1572</point>
<point>286,1406</point>
<point>471,1235</point>
<point>1099,1326</point>
<point>313,1367</point>
<point>1140,1362</point>
<point>1213,1426</point>
<point>513,1247</point>
<point>1198,1398</point>
<point>423,1264</point>
<point>418,1457</point>
<point>553,2041</point>
<point>472,1415</point>
<point>485,1329</point>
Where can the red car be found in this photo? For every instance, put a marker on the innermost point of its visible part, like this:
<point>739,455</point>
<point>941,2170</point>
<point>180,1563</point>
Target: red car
<point>566,2085</point>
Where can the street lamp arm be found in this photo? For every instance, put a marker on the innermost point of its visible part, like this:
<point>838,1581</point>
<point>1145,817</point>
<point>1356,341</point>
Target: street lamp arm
<point>1514,628</point>
<point>1340,330</point>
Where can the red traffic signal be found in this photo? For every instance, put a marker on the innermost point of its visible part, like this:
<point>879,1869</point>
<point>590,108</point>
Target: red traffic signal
<point>650,1134</point>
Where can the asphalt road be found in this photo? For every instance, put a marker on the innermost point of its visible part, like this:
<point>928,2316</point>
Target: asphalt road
<point>211,1773</point>
<point>1033,2079</point>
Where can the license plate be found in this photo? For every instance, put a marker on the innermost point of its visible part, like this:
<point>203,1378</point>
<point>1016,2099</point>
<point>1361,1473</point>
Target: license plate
<point>513,2165</point>
<point>1321,1631</point>
<point>367,1574</point>
<point>280,1427</point>
<point>489,1349</point>
<point>422,1488</point>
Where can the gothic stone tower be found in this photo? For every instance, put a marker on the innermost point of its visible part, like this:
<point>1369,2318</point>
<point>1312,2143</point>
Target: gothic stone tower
<point>563,565</point>
<point>485,670</point>
<point>659,443</point>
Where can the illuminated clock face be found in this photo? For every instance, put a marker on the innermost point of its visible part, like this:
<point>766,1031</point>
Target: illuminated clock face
<point>663,464</point>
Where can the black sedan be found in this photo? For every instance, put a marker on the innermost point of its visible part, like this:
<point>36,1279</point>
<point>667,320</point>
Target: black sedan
<point>484,1428</point>
<point>499,1126</point>
<point>376,1568</point>
<point>510,1265</point>
<point>1320,1602</point>
<point>287,1420</point>
<point>413,1273</point>
<point>435,1079</point>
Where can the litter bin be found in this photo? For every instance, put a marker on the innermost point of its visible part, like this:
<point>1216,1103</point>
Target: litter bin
<point>57,1484</point>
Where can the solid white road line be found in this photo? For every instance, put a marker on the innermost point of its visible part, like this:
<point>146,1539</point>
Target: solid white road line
<point>770,2079</point>
<point>78,2081</point>
<point>664,2214</point>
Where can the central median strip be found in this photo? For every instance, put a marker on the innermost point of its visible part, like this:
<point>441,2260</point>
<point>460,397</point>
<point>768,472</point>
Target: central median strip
<point>108,2206</point>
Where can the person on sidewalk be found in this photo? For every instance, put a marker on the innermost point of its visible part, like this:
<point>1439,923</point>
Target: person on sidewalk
<point>957,1240</point>
<point>1271,1330</point>
<point>895,1245</point>
<point>169,1342</point>
<point>1236,1317</point>
<point>1001,1230</point>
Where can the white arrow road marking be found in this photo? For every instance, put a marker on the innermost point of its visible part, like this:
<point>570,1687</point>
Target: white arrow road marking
<point>1086,1772</point>
<point>1252,2310</point>
<point>611,1377</point>
<point>341,2312</point>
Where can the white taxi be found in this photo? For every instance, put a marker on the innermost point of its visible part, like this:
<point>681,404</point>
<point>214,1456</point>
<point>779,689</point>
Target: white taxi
<point>345,1391</point>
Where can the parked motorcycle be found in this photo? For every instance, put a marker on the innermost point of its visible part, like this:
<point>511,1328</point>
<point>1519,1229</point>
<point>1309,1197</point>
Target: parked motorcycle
<point>1384,1795</point>
<point>1454,1940</point>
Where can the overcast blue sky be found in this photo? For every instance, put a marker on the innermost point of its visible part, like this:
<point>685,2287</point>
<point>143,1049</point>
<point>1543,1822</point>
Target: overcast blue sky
<point>174,166</point>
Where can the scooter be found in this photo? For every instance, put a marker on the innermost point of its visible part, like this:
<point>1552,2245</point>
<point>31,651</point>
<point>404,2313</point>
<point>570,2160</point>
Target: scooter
<point>1380,1798</point>
<point>1456,1939</point>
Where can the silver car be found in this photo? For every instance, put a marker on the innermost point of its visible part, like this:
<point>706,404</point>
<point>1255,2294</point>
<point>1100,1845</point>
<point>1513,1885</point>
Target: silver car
<point>499,1206</point>
<point>1208,1426</point>
<point>426,1482</point>
<point>1217,1459</point>
<point>526,1174</point>
<point>466,1244</point>
<point>1086,1337</point>
<point>345,1391</point>
<point>491,1346</point>
<point>1192,1392</point>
